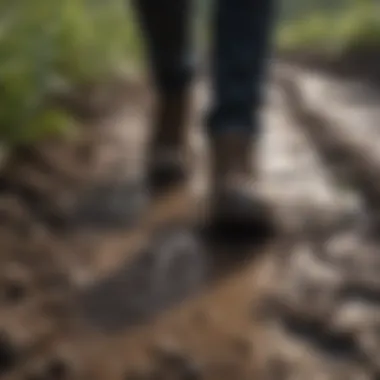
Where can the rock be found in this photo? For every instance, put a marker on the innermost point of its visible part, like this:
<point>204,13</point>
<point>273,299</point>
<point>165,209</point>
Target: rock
<point>8,354</point>
<point>53,369</point>
<point>174,361</point>
<point>168,354</point>
<point>17,283</point>
<point>57,369</point>
<point>356,316</point>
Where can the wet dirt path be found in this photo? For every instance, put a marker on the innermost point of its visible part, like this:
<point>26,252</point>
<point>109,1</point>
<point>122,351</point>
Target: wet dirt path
<point>324,310</point>
<point>153,300</point>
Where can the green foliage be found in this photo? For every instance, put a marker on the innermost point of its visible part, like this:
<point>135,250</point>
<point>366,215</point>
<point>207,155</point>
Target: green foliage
<point>311,31</point>
<point>353,27</point>
<point>45,43</point>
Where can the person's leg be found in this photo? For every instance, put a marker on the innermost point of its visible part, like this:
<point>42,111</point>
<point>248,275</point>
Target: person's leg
<point>241,45</point>
<point>166,27</point>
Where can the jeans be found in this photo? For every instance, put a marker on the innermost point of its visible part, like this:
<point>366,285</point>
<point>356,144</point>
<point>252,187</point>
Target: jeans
<point>240,45</point>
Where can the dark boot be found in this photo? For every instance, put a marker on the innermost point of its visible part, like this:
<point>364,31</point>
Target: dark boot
<point>167,155</point>
<point>237,208</point>
<point>166,27</point>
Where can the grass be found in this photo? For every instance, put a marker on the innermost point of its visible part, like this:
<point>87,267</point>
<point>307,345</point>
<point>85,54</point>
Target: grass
<point>334,33</point>
<point>49,45</point>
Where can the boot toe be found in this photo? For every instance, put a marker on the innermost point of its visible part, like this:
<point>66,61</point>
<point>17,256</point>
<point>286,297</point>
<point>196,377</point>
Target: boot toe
<point>241,218</point>
<point>163,176</point>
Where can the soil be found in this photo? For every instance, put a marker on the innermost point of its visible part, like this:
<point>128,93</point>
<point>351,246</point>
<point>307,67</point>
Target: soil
<point>98,281</point>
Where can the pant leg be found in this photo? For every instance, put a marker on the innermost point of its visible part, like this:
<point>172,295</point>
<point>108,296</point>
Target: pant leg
<point>166,26</point>
<point>242,34</point>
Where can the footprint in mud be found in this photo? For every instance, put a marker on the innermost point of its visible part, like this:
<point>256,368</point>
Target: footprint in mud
<point>177,264</point>
<point>173,266</point>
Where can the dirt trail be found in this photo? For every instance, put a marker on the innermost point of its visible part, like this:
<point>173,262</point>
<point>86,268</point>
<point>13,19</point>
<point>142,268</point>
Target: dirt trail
<point>325,310</point>
<point>150,299</point>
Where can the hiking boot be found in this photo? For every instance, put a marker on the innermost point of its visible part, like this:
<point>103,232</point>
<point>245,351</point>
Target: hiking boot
<point>167,164</point>
<point>237,208</point>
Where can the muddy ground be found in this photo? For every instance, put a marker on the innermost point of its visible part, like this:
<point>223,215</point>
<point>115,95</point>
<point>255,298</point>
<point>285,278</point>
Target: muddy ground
<point>98,282</point>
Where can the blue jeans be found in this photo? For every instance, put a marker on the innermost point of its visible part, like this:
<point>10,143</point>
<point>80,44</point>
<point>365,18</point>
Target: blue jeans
<point>241,41</point>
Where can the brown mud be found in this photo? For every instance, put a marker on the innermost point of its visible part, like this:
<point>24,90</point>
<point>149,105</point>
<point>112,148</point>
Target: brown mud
<point>99,282</point>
